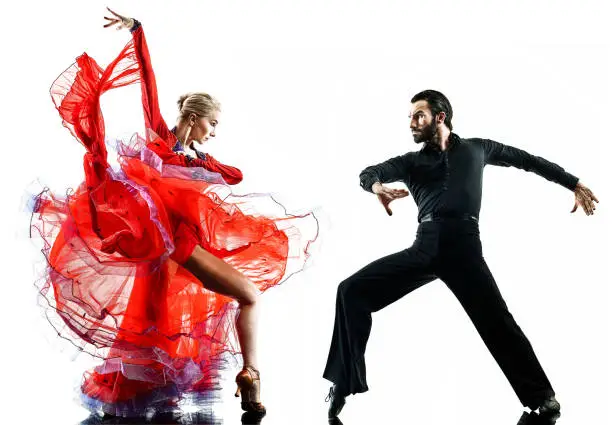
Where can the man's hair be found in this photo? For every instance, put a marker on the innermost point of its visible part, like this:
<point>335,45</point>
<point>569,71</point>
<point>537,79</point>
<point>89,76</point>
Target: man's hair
<point>437,103</point>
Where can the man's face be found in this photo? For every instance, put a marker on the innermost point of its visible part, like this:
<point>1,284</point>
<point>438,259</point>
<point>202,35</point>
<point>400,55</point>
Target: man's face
<point>422,122</point>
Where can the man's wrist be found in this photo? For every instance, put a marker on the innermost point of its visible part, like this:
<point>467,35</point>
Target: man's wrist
<point>578,186</point>
<point>376,187</point>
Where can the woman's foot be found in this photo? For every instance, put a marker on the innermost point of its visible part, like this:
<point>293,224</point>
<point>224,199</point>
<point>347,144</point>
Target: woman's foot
<point>248,386</point>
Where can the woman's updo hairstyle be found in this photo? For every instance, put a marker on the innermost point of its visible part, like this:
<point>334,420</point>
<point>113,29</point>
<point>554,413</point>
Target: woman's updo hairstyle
<point>201,104</point>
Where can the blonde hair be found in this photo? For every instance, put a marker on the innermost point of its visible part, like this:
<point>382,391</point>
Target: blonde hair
<point>201,104</point>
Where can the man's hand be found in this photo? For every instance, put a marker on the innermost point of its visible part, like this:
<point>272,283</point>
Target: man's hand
<point>386,195</point>
<point>584,198</point>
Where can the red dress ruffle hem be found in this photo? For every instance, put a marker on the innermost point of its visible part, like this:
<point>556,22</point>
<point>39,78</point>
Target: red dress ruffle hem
<point>115,246</point>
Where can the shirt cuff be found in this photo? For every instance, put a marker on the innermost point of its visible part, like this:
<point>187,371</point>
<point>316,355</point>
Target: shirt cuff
<point>569,181</point>
<point>366,183</point>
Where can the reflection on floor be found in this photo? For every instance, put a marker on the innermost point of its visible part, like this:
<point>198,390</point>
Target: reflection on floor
<point>535,419</point>
<point>192,418</point>
<point>526,419</point>
<point>201,411</point>
<point>207,417</point>
<point>192,409</point>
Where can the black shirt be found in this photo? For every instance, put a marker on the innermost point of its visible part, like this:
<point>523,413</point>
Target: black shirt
<point>449,183</point>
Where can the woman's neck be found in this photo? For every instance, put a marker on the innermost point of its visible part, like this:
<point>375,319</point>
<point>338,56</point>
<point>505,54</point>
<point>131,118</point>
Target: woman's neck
<point>181,135</point>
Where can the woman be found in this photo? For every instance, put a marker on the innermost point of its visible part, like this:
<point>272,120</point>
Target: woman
<point>144,262</point>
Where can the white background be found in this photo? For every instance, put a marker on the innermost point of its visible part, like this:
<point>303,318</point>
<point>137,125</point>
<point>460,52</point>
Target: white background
<point>313,92</point>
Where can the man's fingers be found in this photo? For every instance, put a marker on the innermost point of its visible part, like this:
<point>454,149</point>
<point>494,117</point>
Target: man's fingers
<point>385,203</point>
<point>575,207</point>
<point>397,193</point>
<point>588,193</point>
<point>390,190</point>
<point>110,24</point>
<point>387,195</point>
<point>592,205</point>
<point>583,205</point>
<point>587,207</point>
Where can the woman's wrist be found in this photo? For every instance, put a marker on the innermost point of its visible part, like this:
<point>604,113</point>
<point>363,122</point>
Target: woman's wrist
<point>135,24</point>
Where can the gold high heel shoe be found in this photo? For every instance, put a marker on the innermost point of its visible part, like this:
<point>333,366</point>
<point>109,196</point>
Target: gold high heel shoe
<point>248,386</point>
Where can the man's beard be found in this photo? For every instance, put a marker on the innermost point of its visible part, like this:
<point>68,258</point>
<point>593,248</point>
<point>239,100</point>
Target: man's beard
<point>427,134</point>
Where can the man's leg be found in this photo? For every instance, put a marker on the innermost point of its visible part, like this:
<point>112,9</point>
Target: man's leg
<point>469,278</point>
<point>370,289</point>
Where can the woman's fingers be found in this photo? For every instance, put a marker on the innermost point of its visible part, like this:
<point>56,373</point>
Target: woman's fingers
<point>114,13</point>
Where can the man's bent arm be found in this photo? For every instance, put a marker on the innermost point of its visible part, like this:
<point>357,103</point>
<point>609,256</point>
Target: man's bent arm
<point>392,170</point>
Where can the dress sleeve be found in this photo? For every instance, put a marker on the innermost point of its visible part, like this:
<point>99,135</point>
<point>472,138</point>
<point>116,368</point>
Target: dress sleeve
<point>155,121</point>
<point>150,102</point>
<point>506,156</point>
<point>231,175</point>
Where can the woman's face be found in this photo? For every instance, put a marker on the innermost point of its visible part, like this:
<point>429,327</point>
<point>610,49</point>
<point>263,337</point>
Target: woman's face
<point>204,127</point>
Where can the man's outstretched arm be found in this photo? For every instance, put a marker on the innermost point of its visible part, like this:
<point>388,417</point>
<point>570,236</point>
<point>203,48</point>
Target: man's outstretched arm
<point>506,156</point>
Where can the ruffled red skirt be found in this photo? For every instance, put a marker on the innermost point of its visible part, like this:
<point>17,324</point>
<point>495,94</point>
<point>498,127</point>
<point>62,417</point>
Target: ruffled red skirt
<point>114,249</point>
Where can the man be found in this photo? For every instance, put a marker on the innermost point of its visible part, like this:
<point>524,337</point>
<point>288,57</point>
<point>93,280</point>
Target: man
<point>445,179</point>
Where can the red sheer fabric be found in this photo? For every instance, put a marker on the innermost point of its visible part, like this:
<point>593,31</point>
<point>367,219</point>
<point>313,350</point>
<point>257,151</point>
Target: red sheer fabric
<point>116,244</point>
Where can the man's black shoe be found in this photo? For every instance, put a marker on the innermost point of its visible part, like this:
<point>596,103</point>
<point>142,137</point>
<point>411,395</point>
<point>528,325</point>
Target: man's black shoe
<point>336,402</point>
<point>550,407</point>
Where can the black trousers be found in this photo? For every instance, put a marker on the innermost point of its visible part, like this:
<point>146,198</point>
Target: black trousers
<point>449,250</point>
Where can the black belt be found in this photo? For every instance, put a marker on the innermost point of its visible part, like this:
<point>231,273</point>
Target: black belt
<point>437,217</point>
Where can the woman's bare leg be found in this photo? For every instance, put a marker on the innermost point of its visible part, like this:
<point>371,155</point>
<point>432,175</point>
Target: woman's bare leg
<point>222,278</point>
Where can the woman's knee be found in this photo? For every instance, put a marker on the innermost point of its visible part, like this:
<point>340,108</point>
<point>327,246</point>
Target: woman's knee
<point>248,293</point>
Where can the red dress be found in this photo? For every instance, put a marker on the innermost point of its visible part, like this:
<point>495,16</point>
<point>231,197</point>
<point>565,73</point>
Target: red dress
<point>115,247</point>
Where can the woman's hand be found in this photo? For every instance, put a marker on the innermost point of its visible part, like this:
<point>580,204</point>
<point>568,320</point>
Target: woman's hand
<point>122,21</point>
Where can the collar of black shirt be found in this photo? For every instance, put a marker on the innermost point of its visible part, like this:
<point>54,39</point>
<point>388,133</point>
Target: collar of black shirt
<point>454,139</point>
